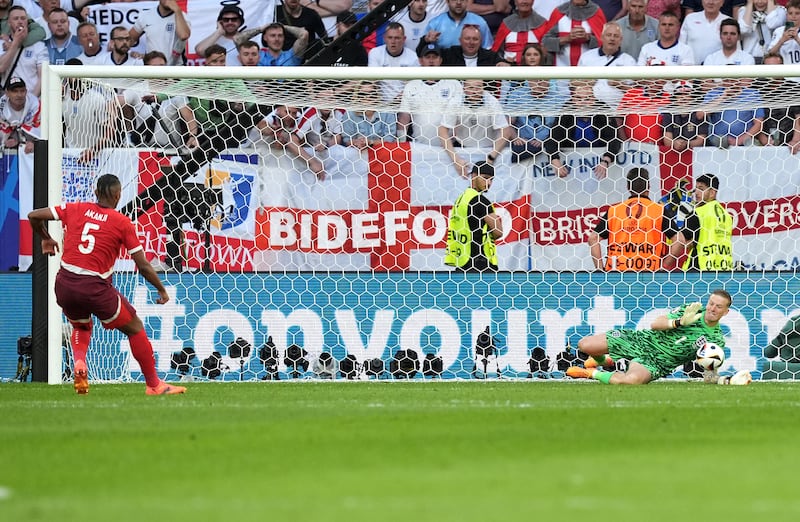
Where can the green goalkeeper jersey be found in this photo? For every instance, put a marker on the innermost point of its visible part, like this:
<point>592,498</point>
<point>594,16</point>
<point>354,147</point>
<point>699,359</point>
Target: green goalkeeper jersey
<point>661,351</point>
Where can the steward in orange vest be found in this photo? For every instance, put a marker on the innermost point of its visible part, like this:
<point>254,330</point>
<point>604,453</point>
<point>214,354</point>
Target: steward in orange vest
<point>636,230</point>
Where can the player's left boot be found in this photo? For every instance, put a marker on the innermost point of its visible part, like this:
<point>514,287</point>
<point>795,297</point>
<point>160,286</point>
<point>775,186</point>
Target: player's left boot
<point>164,389</point>
<point>80,378</point>
<point>576,372</point>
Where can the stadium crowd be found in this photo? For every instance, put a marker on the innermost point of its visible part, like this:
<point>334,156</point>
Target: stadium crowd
<point>431,33</point>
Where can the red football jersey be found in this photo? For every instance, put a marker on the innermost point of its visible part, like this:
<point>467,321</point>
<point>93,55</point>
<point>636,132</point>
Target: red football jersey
<point>94,237</point>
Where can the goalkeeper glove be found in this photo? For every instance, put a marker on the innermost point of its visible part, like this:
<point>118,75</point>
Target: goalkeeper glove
<point>740,378</point>
<point>691,315</point>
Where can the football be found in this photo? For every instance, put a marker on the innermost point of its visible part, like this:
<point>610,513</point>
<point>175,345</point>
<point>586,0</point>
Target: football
<point>710,356</point>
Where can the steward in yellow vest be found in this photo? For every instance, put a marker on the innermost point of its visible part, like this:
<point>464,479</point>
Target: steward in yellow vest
<point>708,230</point>
<point>636,230</point>
<point>474,226</point>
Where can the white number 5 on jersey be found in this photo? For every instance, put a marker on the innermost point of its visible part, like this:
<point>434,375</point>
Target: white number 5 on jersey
<point>87,239</point>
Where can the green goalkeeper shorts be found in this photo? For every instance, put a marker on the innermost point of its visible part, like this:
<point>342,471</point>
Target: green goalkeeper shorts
<point>639,346</point>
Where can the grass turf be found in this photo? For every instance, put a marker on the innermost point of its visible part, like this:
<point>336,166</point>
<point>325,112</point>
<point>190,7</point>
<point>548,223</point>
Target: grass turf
<point>400,451</point>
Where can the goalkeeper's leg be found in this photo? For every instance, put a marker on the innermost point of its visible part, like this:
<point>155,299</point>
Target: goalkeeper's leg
<point>636,374</point>
<point>596,346</point>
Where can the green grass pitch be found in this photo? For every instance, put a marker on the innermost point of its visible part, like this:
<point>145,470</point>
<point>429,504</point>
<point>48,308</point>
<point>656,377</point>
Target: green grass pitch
<point>460,451</point>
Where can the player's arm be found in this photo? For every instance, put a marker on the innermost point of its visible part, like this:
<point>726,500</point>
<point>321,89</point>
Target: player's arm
<point>147,271</point>
<point>38,219</point>
<point>596,249</point>
<point>740,378</point>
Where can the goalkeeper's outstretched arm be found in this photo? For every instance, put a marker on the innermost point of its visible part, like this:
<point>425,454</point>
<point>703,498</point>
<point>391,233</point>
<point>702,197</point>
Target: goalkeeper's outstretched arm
<point>740,378</point>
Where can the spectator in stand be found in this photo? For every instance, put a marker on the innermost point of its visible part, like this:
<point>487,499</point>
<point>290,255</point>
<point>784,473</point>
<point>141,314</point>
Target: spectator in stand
<point>731,52</point>
<point>613,9</point>
<point>533,99</point>
<point>532,55</point>
<point>785,40</point>
<point>684,131</point>
<point>477,121</point>
<point>414,20</point>
<point>165,29</point>
<point>279,129</point>
<point>493,11</point>
<point>229,21</point>
<point>445,29</point>
<point>353,53</point>
<point>609,54</point>
<point>248,55</point>
<point>20,117</point>
<point>89,39</point>
<point>62,44</point>
<point>36,33</point>
<point>362,129</point>
<point>470,53</point>
<point>781,124</point>
<point>156,58</point>
<point>89,115</point>
<point>291,13</point>
<point>17,60</point>
<point>43,19</point>
<point>730,8</point>
<point>575,27</point>
<point>636,229</point>
<point>325,8</point>
<point>638,28</point>
<point>757,21</point>
<point>120,46</point>
<point>641,106</point>
<point>273,55</point>
<point>320,129</point>
<point>597,131</point>
<point>518,30</point>
<point>700,30</point>
<point>392,54</point>
<point>425,101</point>
<point>667,49</point>
<point>733,127</point>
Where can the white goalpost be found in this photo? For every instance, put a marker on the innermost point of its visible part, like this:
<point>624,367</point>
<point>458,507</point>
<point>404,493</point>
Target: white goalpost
<point>303,211</point>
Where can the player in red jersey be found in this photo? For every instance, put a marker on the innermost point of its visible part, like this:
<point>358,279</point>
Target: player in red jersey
<point>94,234</point>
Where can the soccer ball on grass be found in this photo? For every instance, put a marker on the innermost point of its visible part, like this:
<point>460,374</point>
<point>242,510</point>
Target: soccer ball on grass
<point>710,356</point>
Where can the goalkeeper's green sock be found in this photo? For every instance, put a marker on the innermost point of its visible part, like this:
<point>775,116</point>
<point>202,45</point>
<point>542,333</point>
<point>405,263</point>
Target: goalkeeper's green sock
<point>604,377</point>
<point>601,359</point>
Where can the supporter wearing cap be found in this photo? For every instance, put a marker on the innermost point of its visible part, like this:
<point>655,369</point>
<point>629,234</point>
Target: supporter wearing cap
<point>429,50</point>
<point>229,21</point>
<point>20,116</point>
<point>667,48</point>
<point>352,52</point>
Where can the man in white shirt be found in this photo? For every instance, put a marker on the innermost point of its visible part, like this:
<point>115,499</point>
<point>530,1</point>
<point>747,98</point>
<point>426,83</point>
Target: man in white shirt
<point>667,49</point>
<point>165,29</point>
<point>609,54</point>
<point>414,20</point>
<point>25,62</point>
<point>700,30</point>
<point>393,53</point>
<point>89,39</point>
<point>120,45</point>
<point>426,100</point>
<point>20,116</point>
<point>731,52</point>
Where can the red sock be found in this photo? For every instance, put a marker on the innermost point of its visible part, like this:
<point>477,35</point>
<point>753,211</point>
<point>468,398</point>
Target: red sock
<point>80,339</point>
<point>142,351</point>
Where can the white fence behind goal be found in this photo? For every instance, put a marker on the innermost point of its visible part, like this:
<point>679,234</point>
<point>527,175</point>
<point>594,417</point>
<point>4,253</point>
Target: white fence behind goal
<point>337,246</point>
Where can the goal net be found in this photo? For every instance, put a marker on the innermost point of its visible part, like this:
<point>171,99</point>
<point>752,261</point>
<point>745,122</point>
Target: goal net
<point>299,216</point>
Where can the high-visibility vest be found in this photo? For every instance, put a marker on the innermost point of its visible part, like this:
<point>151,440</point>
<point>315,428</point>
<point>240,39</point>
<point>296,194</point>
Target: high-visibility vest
<point>459,235</point>
<point>713,249</point>
<point>635,237</point>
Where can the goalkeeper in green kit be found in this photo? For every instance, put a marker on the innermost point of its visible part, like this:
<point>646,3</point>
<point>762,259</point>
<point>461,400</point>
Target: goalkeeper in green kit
<point>673,340</point>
